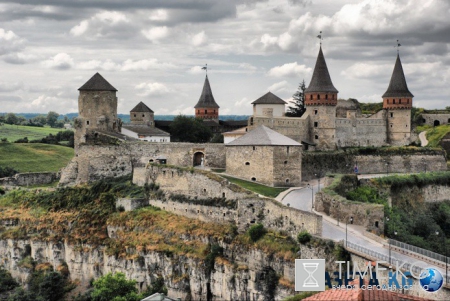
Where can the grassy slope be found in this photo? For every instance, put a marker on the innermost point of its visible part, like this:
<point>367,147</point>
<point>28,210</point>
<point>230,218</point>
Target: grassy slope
<point>14,132</point>
<point>435,134</point>
<point>34,157</point>
<point>258,188</point>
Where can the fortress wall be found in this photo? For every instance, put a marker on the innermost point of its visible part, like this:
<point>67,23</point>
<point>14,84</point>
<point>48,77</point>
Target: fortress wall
<point>296,128</point>
<point>371,216</point>
<point>431,118</point>
<point>32,178</point>
<point>343,162</point>
<point>94,162</point>
<point>249,209</point>
<point>360,132</point>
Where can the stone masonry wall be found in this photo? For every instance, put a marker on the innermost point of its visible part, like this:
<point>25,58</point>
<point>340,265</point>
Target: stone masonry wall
<point>371,216</point>
<point>94,162</point>
<point>250,209</point>
<point>344,162</point>
<point>32,178</point>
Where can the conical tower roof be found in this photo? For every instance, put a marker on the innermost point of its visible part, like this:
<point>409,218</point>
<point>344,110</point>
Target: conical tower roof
<point>206,99</point>
<point>269,98</point>
<point>97,83</point>
<point>397,85</point>
<point>141,107</point>
<point>321,80</point>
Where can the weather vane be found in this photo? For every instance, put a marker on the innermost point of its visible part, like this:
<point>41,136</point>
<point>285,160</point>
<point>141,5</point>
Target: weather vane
<point>398,46</point>
<point>205,68</point>
<point>320,37</point>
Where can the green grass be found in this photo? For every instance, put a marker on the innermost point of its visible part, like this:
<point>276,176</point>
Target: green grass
<point>255,187</point>
<point>34,157</point>
<point>421,128</point>
<point>435,135</point>
<point>15,132</point>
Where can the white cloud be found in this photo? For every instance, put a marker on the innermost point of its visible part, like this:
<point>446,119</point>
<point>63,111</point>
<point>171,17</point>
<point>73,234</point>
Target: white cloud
<point>199,38</point>
<point>365,70</point>
<point>196,70</point>
<point>80,29</point>
<point>9,42</point>
<point>156,33</point>
<point>152,89</point>
<point>60,61</point>
<point>111,17</point>
<point>244,102</point>
<point>159,15</point>
<point>183,111</point>
<point>290,70</point>
<point>10,87</point>
<point>280,87</point>
<point>247,66</point>
<point>19,58</point>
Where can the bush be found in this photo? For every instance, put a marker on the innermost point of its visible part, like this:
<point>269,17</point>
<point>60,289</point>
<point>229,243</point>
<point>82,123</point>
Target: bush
<point>115,287</point>
<point>23,140</point>
<point>7,172</point>
<point>304,237</point>
<point>256,232</point>
<point>7,282</point>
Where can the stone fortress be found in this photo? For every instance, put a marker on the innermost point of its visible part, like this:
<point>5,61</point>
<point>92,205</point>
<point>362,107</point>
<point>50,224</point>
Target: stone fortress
<point>329,123</point>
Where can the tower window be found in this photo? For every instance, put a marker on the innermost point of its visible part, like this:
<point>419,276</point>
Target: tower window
<point>326,96</point>
<point>400,101</point>
<point>392,114</point>
<point>134,115</point>
<point>87,122</point>
<point>407,101</point>
<point>198,111</point>
<point>316,137</point>
<point>214,111</point>
<point>318,96</point>
<point>143,115</point>
<point>206,111</point>
<point>332,97</point>
<point>310,97</point>
<point>287,149</point>
<point>393,101</point>
<point>247,163</point>
<point>315,112</point>
<point>254,148</point>
<point>316,124</point>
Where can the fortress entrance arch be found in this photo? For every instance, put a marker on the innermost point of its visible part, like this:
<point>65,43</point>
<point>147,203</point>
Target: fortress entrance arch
<point>199,159</point>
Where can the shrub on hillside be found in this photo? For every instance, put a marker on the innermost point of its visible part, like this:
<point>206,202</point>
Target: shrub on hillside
<point>256,232</point>
<point>7,172</point>
<point>22,140</point>
<point>304,237</point>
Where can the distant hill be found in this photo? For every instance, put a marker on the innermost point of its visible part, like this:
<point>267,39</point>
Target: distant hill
<point>126,117</point>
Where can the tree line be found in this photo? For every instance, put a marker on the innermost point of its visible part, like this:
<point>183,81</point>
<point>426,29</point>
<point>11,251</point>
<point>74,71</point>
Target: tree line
<point>51,119</point>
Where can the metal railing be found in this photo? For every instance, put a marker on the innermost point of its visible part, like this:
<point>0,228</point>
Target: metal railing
<point>424,252</point>
<point>393,261</point>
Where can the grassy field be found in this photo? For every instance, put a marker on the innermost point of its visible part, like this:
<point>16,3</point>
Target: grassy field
<point>255,187</point>
<point>34,157</point>
<point>15,132</point>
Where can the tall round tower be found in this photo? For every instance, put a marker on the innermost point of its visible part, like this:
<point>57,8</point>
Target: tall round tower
<point>397,102</point>
<point>206,107</point>
<point>320,103</point>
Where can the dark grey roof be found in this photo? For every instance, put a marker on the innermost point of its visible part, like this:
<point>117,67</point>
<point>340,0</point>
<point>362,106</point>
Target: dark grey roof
<point>262,135</point>
<point>146,130</point>
<point>97,83</point>
<point>206,99</point>
<point>397,85</point>
<point>141,107</point>
<point>269,98</point>
<point>321,80</point>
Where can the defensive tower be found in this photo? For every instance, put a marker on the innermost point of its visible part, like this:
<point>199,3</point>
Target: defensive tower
<point>206,107</point>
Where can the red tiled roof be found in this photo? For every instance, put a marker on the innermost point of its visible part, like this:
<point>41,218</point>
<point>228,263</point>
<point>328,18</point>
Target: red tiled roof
<point>362,295</point>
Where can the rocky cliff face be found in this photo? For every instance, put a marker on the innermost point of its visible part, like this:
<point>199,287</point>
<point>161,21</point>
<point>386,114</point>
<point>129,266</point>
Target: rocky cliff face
<point>239,274</point>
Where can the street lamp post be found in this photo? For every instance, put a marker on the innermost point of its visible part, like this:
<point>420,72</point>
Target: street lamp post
<point>312,196</point>
<point>346,223</point>
<point>445,255</point>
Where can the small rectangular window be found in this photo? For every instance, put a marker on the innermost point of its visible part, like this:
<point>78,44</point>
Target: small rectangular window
<point>315,112</point>
<point>87,122</point>
<point>392,114</point>
<point>316,124</point>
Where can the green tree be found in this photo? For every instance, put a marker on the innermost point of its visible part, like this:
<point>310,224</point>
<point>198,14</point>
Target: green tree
<point>115,287</point>
<point>7,282</point>
<point>189,129</point>
<point>40,119</point>
<point>298,107</point>
<point>11,118</point>
<point>52,117</point>
<point>256,232</point>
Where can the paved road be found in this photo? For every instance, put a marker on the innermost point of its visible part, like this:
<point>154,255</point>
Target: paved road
<point>423,138</point>
<point>301,199</point>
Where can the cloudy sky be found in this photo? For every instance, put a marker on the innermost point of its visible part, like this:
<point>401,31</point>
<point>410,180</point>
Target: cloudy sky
<point>153,51</point>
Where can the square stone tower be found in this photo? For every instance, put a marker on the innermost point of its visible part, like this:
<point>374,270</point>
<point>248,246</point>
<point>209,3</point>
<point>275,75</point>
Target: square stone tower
<point>97,110</point>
